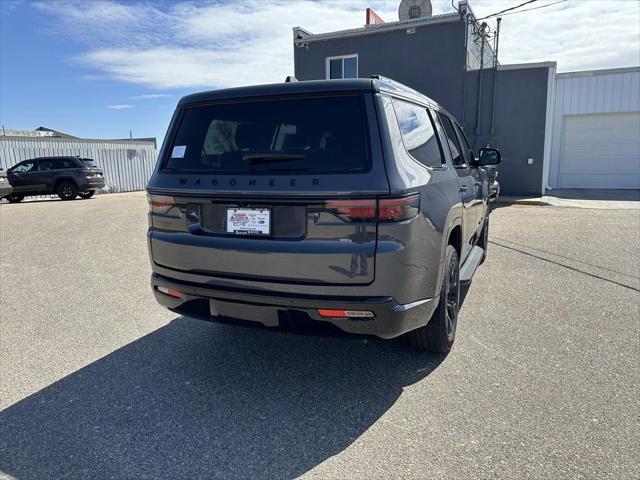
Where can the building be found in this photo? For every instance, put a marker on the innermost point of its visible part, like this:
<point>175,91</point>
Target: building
<point>451,59</point>
<point>127,163</point>
<point>596,130</point>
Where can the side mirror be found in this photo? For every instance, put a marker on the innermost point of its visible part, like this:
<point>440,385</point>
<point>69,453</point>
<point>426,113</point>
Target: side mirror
<point>489,156</point>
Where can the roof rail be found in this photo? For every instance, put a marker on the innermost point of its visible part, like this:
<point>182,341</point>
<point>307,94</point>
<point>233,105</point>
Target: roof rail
<point>395,84</point>
<point>290,78</point>
<point>390,84</point>
<point>383,78</point>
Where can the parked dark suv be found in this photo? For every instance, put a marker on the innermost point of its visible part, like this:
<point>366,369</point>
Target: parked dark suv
<point>353,202</point>
<point>67,177</point>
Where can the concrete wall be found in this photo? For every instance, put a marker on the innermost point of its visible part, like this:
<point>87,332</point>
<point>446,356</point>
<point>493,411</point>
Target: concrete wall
<point>596,91</point>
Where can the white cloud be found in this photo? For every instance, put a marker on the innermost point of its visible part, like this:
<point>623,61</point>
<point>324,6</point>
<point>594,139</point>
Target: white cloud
<point>579,35</point>
<point>120,106</point>
<point>148,96</point>
<point>211,45</point>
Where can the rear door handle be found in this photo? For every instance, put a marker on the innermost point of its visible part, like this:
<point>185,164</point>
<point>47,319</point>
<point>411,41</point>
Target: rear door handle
<point>463,188</point>
<point>477,184</point>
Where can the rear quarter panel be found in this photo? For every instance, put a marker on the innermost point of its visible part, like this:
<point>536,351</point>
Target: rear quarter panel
<point>440,206</point>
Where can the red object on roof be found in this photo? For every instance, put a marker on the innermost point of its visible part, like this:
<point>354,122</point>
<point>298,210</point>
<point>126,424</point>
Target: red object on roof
<point>373,18</point>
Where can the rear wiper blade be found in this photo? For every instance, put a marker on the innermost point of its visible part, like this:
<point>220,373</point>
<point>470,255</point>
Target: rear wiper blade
<point>259,158</point>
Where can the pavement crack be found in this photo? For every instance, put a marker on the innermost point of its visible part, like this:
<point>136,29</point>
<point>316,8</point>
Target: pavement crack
<point>565,257</point>
<point>575,269</point>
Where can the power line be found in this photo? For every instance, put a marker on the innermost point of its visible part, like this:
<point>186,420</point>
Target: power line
<point>536,8</point>
<point>507,9</point>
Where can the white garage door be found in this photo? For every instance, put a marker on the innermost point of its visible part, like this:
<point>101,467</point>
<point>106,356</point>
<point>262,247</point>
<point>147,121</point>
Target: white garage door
<point>601,151</point>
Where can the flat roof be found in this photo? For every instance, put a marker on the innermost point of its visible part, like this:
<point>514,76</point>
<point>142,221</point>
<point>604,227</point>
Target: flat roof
<point>300,35</point>
<point>523,66</point>
<point>604,71</point>
<point>115,141</point>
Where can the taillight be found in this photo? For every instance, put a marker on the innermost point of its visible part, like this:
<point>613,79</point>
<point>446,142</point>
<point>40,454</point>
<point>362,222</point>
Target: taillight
<point>398,209</point>
<point>160,203</point>
<point>384,210</point>
<point>352,210</point>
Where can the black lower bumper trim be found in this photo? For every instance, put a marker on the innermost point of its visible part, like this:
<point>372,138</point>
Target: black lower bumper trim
<point>267,308</point>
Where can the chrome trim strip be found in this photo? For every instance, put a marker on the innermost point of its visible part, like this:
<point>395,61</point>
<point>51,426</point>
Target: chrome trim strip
<point>407,306</point>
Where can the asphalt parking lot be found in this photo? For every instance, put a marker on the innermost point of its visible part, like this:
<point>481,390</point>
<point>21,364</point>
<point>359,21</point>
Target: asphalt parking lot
<point>97,381</point>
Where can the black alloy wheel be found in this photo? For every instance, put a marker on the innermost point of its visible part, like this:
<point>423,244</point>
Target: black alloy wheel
<point>67,191</point>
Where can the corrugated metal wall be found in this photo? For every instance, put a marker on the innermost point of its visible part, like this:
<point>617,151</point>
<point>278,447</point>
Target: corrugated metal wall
<point>127,165</point>
<point>597,91</point>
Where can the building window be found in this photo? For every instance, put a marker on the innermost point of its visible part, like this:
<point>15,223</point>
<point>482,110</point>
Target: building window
<point>345,66</point>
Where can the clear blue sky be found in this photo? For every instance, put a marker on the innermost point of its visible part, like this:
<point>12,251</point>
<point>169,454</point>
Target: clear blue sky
<point>101,68</point>
<point>40,84</point>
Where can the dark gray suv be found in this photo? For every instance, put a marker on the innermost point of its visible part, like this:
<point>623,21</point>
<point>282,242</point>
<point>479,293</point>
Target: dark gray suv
<point>67,177</point>
<point>353,202</point>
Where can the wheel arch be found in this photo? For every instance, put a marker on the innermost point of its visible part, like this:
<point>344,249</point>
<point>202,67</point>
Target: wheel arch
<point>58,181</point>
<point>453,232</point>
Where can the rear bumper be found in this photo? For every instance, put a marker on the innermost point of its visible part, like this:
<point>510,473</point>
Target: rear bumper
<point>91,184</point>
<point>391,318</point>
<point>5,190</point>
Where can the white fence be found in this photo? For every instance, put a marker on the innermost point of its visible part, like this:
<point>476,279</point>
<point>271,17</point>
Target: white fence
<point>127,165</point>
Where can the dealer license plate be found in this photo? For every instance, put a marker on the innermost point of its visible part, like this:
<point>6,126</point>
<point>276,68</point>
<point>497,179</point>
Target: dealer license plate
<point>249,221</point>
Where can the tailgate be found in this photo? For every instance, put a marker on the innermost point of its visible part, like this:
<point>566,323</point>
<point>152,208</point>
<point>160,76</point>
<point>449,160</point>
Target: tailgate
<point>306,242</point>
<point>271,189</point>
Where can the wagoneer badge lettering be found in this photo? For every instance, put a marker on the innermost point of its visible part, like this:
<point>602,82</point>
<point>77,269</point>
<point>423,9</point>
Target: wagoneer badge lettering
<point>252,182</point>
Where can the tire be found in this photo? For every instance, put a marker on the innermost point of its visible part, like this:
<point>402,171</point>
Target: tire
<point>484,239</point>
<point>15,198</point>
<point>439,334</point>
<point>87,194</point>
<point>67,191</point>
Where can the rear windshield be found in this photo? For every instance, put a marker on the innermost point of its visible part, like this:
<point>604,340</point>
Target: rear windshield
<point>89,163</point>
<point>303,135</point>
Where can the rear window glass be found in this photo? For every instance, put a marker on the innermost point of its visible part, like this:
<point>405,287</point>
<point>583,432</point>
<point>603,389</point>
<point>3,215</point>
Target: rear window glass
<point>89,163</point>
<point>303,135</point>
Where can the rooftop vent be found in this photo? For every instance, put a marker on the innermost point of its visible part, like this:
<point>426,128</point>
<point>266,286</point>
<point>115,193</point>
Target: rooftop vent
<point>410,9</point>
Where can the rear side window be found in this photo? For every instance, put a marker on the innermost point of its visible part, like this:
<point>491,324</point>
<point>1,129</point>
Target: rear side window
<point>60,163</point>
<point>303,135</point>
<point>454,145</point>
<point>87,162</point>
<point>45,164</point>
<point>418,133</point>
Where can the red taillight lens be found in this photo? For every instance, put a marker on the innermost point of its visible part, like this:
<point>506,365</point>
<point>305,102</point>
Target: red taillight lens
<point>160,203</point>
<point>398,209</point>
<point>383,210</point>
<point>170,292</point>
<point>352,210</point>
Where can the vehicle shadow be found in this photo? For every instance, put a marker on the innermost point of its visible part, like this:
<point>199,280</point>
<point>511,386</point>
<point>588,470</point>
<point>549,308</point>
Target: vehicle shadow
<point>199,400</point>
